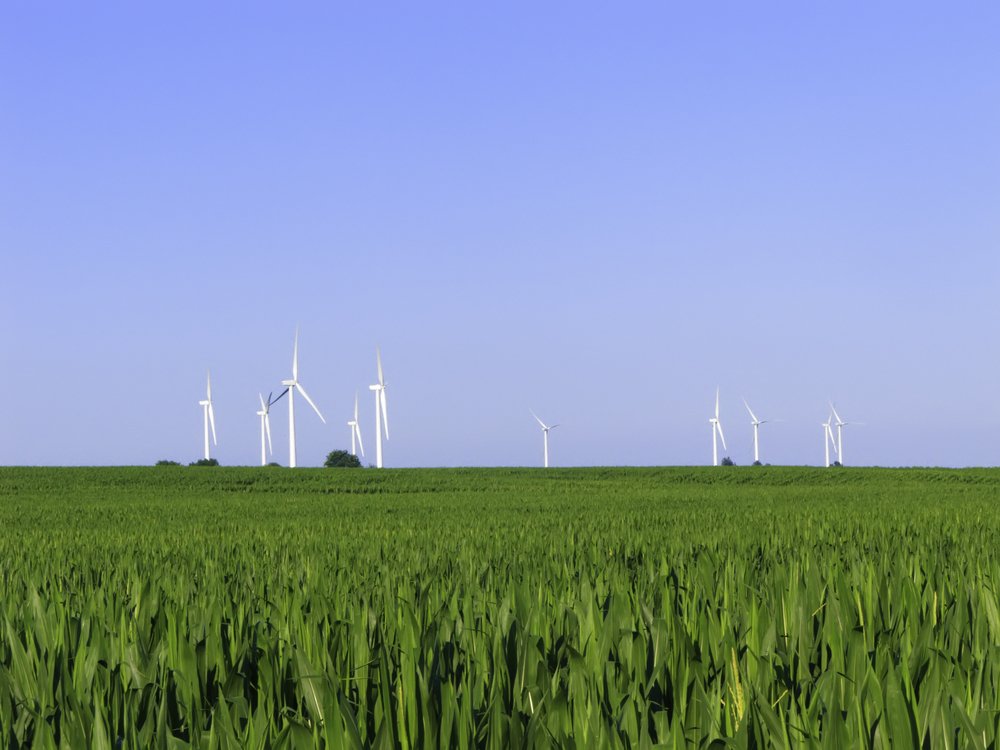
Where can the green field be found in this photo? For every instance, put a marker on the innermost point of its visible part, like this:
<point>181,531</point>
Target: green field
<point>729,607</point>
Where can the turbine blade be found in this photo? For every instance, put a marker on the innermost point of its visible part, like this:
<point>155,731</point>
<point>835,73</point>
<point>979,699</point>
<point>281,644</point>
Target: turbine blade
<point>310,401</point>
<point>716,403</point>
<point>752,415</point>
<point>385,414</point>
<point>357,431</point>
<point>378,360</point>
<point>718,426</point>
<point>211,421</point>
<point>295,356</point>
<point>355,407</point>
<point>834,410</point>
<point>267,429</point>
<point>263,407</point>
<point>544,426</point>
<point>272,402</point>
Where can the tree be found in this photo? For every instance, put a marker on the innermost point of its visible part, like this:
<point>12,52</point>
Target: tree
<point>166,462</point>
<point>727,461</point>
<point>342,460</point>
<point>205,462</point>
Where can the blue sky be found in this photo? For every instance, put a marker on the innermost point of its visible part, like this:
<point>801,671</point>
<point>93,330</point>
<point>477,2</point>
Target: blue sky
<point>597,212</point>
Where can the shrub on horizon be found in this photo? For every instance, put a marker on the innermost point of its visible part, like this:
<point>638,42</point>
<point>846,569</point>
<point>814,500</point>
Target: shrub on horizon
<point>205,462</point>
<point>342,460</point>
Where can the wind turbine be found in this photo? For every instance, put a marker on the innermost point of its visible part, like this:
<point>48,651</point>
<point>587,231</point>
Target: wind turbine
<point>545,432</point>
<point>291,386</point>
<point>756,426</point>
<point>206,407</point>
<point>381,415</point>
<point>716,432</point>
<point>356,429</point>
<point>828,439</point>
<point>265,427</point>
<point>841,424</point>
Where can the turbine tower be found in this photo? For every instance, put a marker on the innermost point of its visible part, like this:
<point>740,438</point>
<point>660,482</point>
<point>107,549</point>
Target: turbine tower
<point>381,415</point>
<point>756,426</point>
<point>356,430</point>
<point>209,413</point>
<point>290,387</point>
<point>545,432</point>
<point>716,432</point>
<point>828,439</point>
<point>265,427</point>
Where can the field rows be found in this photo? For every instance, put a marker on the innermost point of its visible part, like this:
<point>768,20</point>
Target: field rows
<point>176,607</point>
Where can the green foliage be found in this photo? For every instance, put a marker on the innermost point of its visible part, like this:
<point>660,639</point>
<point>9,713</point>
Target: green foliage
<point>205,462</point>
<point>499,608</point>
<point>341,459</point>
<point>727,461</point>
<point>166,462</point>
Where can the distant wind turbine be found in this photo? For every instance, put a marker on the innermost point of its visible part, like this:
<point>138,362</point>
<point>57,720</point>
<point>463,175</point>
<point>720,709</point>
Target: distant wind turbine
<point>291,386</point>
<point>756,428</point>
<point>265,427</point>
<point>545,432</point>
<point>828,439</point>
<point>381,415</point>
<point>356,430</point>
<point>841,424</point>
<point>716,432</point>
<point>209,413</point>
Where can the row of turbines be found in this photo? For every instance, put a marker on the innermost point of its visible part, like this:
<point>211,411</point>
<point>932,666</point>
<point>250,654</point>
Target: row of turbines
<point>836,442</point>
<point>290,387</point>
<point>829,441</point>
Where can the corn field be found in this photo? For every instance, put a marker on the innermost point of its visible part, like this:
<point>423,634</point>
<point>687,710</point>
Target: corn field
<point>493,608</point>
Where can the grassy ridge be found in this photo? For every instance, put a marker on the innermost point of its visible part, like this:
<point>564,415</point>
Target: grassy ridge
<point>175,607</point>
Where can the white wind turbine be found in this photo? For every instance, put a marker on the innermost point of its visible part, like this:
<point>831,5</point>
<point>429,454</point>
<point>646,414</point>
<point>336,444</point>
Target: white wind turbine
<point>756,427</point>
<point>841,424</point>
<point>716,432</point>
<point>209,413</point>
<point>828,439</point>
<point>265,427</point>
<point>356,430</point>
<point>291,386</point>
<point>545,432</point>
<point>381,415</point>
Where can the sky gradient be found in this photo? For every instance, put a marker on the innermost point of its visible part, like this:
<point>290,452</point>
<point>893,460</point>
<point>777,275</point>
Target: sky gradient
<point>598,213</point>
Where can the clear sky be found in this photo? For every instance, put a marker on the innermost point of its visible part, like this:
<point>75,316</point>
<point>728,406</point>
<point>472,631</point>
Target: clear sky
<point>597,211</point>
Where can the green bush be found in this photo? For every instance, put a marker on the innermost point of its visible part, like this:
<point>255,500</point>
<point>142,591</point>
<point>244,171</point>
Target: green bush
<point>341,460</point>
